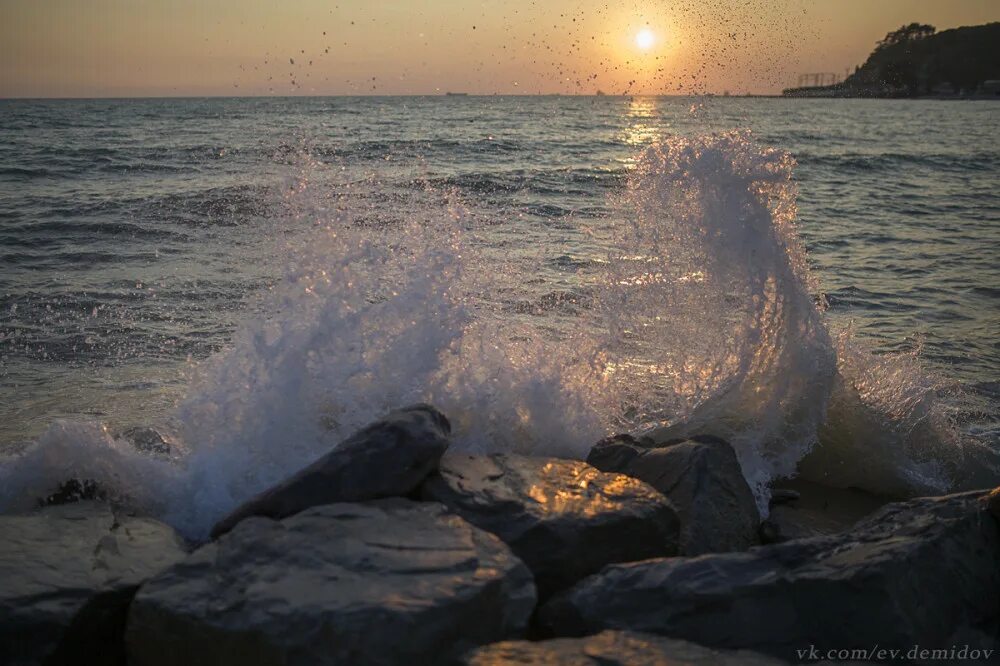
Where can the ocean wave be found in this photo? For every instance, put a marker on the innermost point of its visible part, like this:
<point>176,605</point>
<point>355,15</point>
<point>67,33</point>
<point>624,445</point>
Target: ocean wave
<point>702,317</point>
<point>26,173</point>
<point>958,162</point>
<point>425,148</point>
<point>541,182</point>
<point>44,232</point>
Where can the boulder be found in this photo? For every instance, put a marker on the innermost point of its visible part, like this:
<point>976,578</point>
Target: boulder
<point>612,648</point>
<point>67,575</point>
<point>916,572</point>
<point>703,480</point>
<point>383,582</point>
<point>563,518</point>
<point>388,458</point>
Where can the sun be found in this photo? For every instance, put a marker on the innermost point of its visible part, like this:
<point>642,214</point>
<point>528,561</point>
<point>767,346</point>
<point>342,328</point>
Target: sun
<point>645,39</point>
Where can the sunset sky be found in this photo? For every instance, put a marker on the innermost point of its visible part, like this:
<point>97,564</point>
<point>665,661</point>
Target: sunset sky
<point>122,48</point>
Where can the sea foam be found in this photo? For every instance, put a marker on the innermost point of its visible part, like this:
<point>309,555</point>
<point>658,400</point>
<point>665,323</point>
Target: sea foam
<point>702,318</point>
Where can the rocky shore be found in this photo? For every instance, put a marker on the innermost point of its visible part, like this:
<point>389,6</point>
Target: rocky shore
<point>393,549</point>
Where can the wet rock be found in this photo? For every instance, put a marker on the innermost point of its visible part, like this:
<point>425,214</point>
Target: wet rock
<point>613,648</point>
<point>148,440</point>
<point>564,518</point>
<point>144,440</point>
<point>703,480</point>
<point>67,575</point>
<point>617,451</point>
<point>784,496</point>
<point>388,458</point>
<point>917,572</point>
<point>74,490</point>
<point>382,582</point>
<point>992,502</point>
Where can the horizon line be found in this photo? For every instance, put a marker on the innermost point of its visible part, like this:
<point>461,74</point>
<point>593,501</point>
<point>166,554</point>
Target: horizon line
<point>18,98</point>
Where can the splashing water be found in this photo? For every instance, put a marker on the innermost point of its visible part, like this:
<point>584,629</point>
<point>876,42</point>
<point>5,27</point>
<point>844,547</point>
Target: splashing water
<point>704,321</point>
<point>380,317</point>
<point>710,292</point>
<point>886,428</point>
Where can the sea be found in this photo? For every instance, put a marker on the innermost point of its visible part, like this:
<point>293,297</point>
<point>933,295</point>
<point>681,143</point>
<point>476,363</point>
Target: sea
<point>818,281</point>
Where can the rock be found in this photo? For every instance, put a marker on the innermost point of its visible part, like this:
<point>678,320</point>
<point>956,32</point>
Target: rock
<point>385,459</point>
<point>563,518</point>
<point>612,648</point>
<point>917,572</point>
<point>617,451</point>
<point>147,440</point>
<point>992,502</point>
<point>144,440</point>
<point>74,490</point>
<point>67,575</point>
<point>784,496</point>
<point>383,582</point>
<point>703,480</point>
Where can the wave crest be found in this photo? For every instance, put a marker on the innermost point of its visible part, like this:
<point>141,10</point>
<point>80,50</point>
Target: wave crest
<point>699,315</point>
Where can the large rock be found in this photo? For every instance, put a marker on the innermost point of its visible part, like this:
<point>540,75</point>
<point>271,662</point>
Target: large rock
<point>613,648</point>
<point>67,575</point>
<point>385,459</point>
<point>918,572</point>
<point>564,518</point>
<point>703,480</point>
<point>383,582</point>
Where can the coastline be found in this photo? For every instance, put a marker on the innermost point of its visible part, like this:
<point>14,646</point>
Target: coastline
<point>822,93</point>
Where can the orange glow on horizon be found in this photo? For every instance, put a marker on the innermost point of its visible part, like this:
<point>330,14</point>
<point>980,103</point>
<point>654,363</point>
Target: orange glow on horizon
<point>65,48</point>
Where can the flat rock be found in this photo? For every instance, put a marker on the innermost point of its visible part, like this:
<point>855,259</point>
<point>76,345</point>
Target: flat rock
<point>703,480</point>
<point>564,518</point>
<point>388,458</point>
<point>67,575</point>
<point>613,648</point>
<point>916,572</point>
<point>382,582</point>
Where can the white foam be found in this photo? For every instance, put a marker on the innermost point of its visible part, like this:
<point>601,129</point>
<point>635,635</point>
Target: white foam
<point>705,321</point>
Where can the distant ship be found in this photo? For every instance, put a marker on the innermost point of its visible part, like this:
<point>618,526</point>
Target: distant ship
<point>601,93</point>
<point>451,94</point>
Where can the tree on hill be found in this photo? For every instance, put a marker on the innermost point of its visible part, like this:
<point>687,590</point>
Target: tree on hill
<point>906,33</point>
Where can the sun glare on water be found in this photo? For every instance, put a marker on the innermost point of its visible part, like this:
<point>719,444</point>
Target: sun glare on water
<point>645,39</point>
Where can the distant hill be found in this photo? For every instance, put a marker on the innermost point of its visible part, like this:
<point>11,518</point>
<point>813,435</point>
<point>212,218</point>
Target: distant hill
<point>916,60</point>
